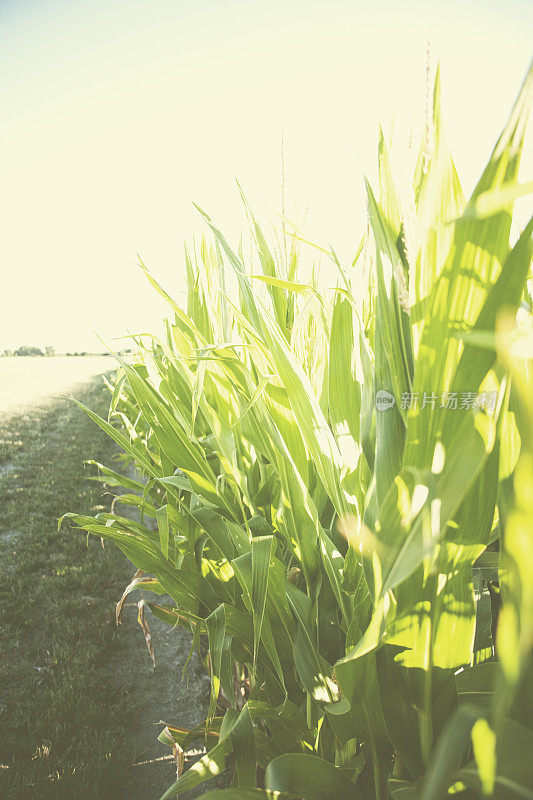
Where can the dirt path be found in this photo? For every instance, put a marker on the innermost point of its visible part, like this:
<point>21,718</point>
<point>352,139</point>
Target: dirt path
<point>79,698</point>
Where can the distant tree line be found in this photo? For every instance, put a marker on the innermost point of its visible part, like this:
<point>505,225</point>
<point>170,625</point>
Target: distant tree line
<point>29,350</point>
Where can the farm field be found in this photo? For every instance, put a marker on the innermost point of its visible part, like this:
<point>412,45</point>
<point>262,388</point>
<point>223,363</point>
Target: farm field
<point>79,697</point>
<point>277,542</point>
<point>26,381</point>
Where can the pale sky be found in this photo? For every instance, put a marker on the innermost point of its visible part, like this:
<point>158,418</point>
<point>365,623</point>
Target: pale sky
<point>117,114</point>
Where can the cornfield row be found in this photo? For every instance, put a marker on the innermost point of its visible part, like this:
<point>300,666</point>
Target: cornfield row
<point>338,492</point>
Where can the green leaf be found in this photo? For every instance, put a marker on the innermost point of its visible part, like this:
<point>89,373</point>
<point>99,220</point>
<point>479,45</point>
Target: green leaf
<point>261,553</point>
<point>309,777</point>
<point>513,778</point>
<point>449,752</point>
<point>164,530</point>
<point>243,741</point>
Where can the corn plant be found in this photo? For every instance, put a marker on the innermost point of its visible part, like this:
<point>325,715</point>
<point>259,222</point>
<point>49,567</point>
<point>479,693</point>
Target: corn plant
<point>326,484</point>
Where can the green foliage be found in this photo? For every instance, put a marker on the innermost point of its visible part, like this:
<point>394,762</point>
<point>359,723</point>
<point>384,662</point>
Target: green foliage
<point>28,350</point>
<point>328,502</point>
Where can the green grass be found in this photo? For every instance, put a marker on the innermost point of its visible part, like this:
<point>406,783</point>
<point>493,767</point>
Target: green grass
<point>64,713</point>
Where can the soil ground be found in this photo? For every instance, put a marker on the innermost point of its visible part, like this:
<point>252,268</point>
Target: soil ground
<point>80,700</point>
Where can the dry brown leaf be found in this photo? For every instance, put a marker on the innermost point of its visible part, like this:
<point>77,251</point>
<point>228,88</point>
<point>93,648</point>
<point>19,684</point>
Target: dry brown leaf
<point>141,618</point>
<point>134,581</point>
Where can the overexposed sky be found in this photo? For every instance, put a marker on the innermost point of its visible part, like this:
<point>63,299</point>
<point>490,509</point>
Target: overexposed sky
<point>117,114</point>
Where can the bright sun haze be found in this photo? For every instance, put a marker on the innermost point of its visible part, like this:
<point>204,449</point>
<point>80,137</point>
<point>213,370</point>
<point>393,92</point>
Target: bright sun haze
<point>117,115</point>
